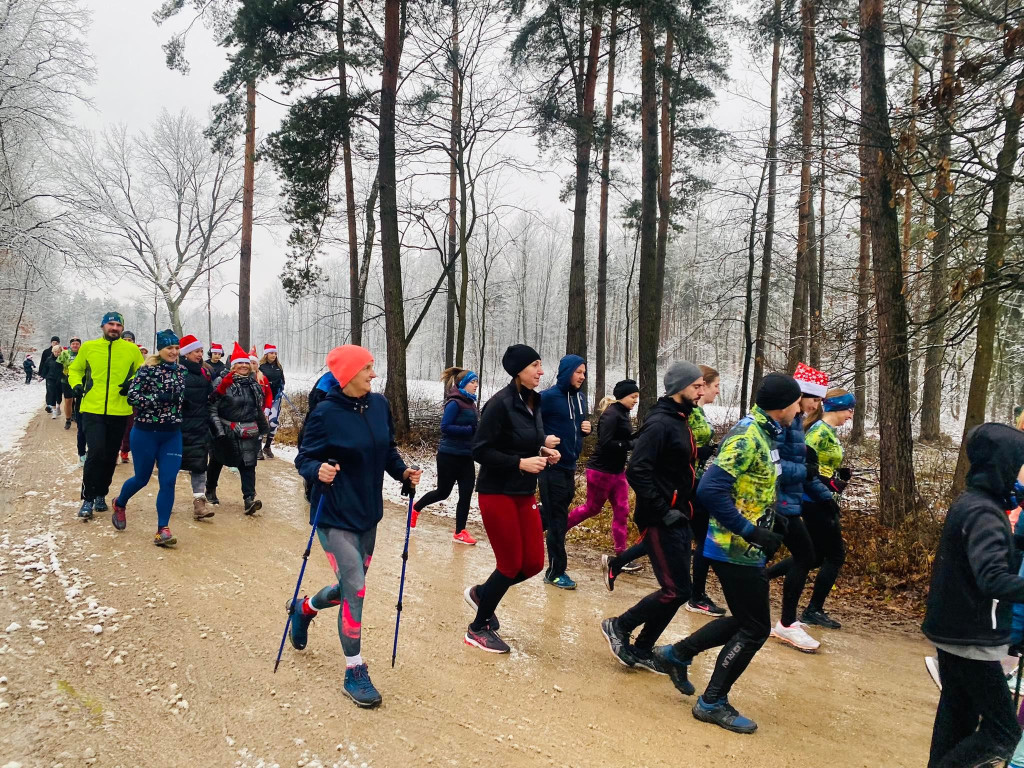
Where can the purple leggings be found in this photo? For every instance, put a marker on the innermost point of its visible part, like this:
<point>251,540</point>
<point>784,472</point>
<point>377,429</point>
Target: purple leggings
<point>602,487</point>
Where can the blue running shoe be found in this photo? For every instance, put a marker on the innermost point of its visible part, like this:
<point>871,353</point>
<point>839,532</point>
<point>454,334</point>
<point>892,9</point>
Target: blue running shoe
<point>100,504</point>
<point>562,582</point>
<point>724,715</point>
<point>298,628</point>
<point>85,512</point>
<point>359,687</point>
<point>675,667</point>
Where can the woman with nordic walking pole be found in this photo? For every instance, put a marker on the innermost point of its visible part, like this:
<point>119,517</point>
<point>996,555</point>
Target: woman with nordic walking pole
<point>352,426</point>
<point>511,449</point>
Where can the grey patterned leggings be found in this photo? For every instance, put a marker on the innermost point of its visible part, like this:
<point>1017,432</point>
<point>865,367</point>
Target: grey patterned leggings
<point>349,554</point>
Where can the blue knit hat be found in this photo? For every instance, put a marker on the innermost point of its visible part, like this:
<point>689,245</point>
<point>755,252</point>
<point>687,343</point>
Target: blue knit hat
<point>112,317</point>
<point>166,338</point>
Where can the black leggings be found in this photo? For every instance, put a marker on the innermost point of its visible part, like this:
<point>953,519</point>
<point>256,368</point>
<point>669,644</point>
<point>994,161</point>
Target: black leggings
<point>829,549</point>
<point>741,634</point>
<point>246,474</point>
<point>975,719</point>
<point>795,567</point>
<point>699,525</point>
<point>452,469</point>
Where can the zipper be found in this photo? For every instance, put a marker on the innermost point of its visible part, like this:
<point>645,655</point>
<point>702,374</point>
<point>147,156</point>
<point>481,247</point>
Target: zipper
<point>106,392</point>
<point>362,412</point>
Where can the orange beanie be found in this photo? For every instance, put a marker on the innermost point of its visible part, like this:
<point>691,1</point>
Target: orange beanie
<point>346,361</point>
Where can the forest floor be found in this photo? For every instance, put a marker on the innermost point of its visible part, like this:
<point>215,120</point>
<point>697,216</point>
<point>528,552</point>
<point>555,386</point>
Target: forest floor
<point>117,653</point>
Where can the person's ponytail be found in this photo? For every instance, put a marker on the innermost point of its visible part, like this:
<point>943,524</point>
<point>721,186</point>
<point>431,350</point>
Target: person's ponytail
<point>605,402</point>
<point>450,377</point>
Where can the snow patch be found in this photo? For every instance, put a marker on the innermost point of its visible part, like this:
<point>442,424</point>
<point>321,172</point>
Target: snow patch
<point>21,403</point>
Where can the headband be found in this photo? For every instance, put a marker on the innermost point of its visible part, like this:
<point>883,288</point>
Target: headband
<point>845,402</point>
<point>466,380</point>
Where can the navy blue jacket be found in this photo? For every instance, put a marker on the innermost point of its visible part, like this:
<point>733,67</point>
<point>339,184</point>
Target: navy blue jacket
<point>359,434</point>
<point>793,482</point>
<point>458,424</point>
<point>564,410</point>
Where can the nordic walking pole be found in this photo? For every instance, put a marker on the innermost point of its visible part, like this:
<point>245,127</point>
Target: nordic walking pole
<point>1020,671</point>
<point>302,570</point>
<point>408,489</point>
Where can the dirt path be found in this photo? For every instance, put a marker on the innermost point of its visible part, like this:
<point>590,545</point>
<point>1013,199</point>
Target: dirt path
<point>131,655</point>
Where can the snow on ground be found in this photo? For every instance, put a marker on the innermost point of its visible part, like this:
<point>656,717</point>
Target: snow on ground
<point>21,402</point>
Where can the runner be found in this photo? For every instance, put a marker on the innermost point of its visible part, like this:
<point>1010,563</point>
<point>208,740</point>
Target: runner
<point>511,449</point>
<point>662,473</point>
<point>29,366</point>
<point>273,373</point>
<point>968,615</point>
<point>157,393</point>
<point>215,364</point>
<point>606,467</point>
<point>126,438</point>
<point>109,362</point>
<point>48,353</point>
<point>564,413</point>
<point>195,424</point>
<point>52,372</point>
<point>238,423</point>
<point>65,359</point>
<point>798,478</point>
<point>353,426</point>
<point>823,517</point>
<point>455,452</point>
<point>738,490</point>
<point>704,436</point>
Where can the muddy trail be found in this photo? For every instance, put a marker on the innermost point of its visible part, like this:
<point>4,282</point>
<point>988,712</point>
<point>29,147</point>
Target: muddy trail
<point>129,655</point>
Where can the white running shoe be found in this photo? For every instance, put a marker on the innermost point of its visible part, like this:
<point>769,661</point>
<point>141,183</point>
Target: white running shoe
<point>796,636</point>
<point>53,414</point>
<point>932,665</point>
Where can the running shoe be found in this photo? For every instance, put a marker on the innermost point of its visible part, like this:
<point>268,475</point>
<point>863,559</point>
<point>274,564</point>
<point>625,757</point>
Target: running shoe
<point>124,457</point>
<point>360,688</point>
<point>618,642</point>
<point>819,618</point>
<point>486,639</point>
<point>562,581</point>
<point>795,635</point>
<point>608,573</point>
<point>49,409</point>
<point>164,538</point>
<point>85,511</point>
<point>633,567</point>
<point>724,715</point>
<point>705,605</point>
<point>463,537</point>
<point>211,497</point>
<point>474,603</point>
<point>252,506</point>
<point>53,415</point>
<point>298,628</point>
<point>67,423</point>
<point>677,668</point>
<point>932,665</point>
<point>648,660</point>
<point>414,517</point>
<point>118,518</point>
<point>99,504</point>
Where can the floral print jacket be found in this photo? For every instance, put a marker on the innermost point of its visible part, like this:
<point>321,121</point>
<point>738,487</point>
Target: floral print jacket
<point>157,394</point>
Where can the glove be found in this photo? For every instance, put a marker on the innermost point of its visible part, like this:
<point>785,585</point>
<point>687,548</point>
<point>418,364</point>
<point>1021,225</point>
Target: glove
<point>836,484</point>
<point>123,389</point>
<point>1016,649</point>
<point>768,540</point>
<point>781,524</point>
<point>705,452</point>
<point>79,391</point>
<point>845,474</point>
<point>674,517</point>
<point>222,443</point>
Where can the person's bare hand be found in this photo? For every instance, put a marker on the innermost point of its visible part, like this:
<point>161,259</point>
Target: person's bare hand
<point>533,464</point>
<point>327,473</point>
<point>585,428</point>
<point>552,441</point>
<point>413,476</point>
<point>553,456</point>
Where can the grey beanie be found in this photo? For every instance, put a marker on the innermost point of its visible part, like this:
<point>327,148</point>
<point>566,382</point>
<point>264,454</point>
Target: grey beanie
<point>680,375</point>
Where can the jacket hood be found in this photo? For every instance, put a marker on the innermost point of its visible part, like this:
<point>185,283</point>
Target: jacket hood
<point>566,368</point>
<point>996,453</point>
<point>335,394</point>
<point>666,404</point>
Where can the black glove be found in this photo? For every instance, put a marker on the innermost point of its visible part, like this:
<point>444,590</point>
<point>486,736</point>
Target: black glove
<point>123,389</point>
<point>836,484</point>
<point>1016,649</point>
<point>845,474</point>
<point>79,391</point>
<point>705,452</point>
<point>674,517</point>
<point>781,525</point>
<point>768,540</point>
<point>222,443</point>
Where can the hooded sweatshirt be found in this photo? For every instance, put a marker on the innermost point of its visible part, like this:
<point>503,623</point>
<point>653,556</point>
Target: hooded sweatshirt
<point>974,582</point>
<point>564,409</point>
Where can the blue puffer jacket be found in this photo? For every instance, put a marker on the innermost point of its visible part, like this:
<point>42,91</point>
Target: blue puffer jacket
<point>359,434</point>
<point>458,424</point>
<point>564,410</point>
<point>793,482</point>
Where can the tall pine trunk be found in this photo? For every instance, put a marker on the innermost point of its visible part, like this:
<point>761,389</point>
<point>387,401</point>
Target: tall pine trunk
<point>748,303</point>
<point>248,192</point>
<point>600,386</point>
<point>453,180</point>
<point>391,258</point>
<point>665,177</point>
<point>860,354</point>
<point>897,496</point>
<point>355,299</point>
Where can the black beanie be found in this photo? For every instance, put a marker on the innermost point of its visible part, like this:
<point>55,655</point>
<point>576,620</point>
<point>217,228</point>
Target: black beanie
<point>625,388</point>
<point>777,391</point>
<point>517,357</point>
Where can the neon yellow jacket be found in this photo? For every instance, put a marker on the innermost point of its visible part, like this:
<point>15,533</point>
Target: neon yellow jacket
<point>103,366</point>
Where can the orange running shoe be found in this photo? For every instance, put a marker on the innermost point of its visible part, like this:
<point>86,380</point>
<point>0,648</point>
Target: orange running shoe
<point>463,537</point>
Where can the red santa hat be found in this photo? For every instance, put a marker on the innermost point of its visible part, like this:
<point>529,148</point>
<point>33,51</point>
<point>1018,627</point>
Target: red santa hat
<point>238,355</point>
<point>812,381</point>
<point>253,357</point>
<point>188,344</point>
<point>268,348</point>
<point>216,349</point>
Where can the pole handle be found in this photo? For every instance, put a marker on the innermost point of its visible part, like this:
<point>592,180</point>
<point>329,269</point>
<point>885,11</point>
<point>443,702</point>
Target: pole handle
<point>408,489</point>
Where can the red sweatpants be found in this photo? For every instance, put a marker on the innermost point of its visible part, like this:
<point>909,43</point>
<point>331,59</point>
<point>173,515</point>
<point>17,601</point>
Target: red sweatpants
<point>514,530</point>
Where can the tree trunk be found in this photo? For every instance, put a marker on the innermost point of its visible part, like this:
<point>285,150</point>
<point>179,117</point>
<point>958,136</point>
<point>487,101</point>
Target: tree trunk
<point>995,250</point>
<point>356,297</point>
<point>600,387</point>
<point>897,494</point>
<point>391,257</point>
<point>576,320</point>
<point>860,369</point>
<point>931,395</point>
<point>772,155</point>
<point>248,189</point>
<point>665,176</point>
<point>908,219</point>
<point>650,318</point>
<point>813,292</point>
<point>748,305</point>
<point>453,149</point>
<point>804,252</point>
<point>818,292</point>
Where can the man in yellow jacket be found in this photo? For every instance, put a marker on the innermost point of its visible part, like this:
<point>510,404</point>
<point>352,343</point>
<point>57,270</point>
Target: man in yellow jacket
<point>99,376</point>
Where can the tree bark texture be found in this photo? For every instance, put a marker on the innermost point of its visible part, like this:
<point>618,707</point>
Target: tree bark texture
<point>248,190</point>
<point>601,331</point>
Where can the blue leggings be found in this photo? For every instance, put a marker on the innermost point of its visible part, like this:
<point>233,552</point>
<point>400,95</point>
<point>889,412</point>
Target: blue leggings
<point>164,448</point>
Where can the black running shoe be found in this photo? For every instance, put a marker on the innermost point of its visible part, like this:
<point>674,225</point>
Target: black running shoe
<point>724,715</point>
<point>252,506</point>
<point>67,423</point>
<point>85,512</point>
<point>486,640</point>
<point>608,573</point>
<point>648,660</point>
<point>618,642</point>
<point>676,668</point>
<point>705,605</point>
<point>819,618</point>
<point>211,496</point>
<point>633,567</point>
<point>99,504</point>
